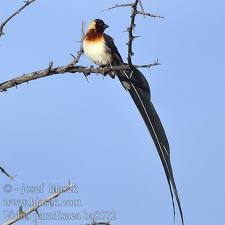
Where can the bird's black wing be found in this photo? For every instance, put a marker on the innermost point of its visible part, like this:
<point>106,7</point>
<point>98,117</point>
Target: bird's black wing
<point>138,87</point>
<point>111,45</point>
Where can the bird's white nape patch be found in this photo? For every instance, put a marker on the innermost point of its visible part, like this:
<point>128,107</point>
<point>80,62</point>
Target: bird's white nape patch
<point>92,25</point>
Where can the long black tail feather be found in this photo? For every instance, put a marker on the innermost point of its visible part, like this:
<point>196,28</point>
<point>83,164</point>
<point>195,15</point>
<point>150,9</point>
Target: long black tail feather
<point>138,87</point>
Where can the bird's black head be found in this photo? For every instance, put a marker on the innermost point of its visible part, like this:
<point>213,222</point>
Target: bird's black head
<point>100,26</point>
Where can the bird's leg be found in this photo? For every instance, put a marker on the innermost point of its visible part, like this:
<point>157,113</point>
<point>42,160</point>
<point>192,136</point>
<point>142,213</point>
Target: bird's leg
<point>112,75</point>
<point>103,69</point>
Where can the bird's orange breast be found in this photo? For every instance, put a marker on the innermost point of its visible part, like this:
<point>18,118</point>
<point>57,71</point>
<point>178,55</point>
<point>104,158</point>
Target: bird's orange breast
<point>94,37</point>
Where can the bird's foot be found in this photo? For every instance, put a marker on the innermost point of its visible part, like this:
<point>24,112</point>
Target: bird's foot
<point>106,73</point>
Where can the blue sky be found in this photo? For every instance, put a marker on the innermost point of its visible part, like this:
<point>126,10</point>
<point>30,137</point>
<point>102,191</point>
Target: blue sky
<point>63,127</point>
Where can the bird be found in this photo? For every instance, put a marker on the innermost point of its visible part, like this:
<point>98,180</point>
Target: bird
<point>101,49</point>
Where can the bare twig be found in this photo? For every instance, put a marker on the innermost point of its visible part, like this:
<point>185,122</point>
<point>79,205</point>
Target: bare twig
<point>149,14</point>
<point>142,12</point>
<point>6,173</point>
<point>35,208</point>
<point>141,6</point>
<point>119,6</point>
<point>27,3</point>
<point>61,70</point>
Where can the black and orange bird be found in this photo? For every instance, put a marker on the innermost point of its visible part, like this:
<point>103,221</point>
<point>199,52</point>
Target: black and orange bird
<point>100,48</point>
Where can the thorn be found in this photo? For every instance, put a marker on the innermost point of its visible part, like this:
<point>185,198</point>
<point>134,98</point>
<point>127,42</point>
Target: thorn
<point>50,65</point>
<point>126,30</point>
<point>86,76</point>
<point>37,213</point>
<point>73,56</point>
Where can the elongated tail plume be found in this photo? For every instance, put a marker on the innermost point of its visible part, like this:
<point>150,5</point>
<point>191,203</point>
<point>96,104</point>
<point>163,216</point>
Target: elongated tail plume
<point>135,82</point>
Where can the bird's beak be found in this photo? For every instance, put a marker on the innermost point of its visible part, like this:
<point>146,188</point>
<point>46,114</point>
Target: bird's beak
<point>106,26</point>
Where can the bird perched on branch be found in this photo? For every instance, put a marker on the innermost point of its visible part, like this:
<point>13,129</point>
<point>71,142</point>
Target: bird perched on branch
<point>100,48</point>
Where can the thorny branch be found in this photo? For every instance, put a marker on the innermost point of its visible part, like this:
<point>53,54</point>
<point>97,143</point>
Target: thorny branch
<point>27,3</point>
<point>6,173</point>
<point>35,208</point>
<point>150,14</point>
<point>119,6</point>
<point>130,32</point>
<point>132,26</point>
<point>137,12</point>
<point>62,69</point>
